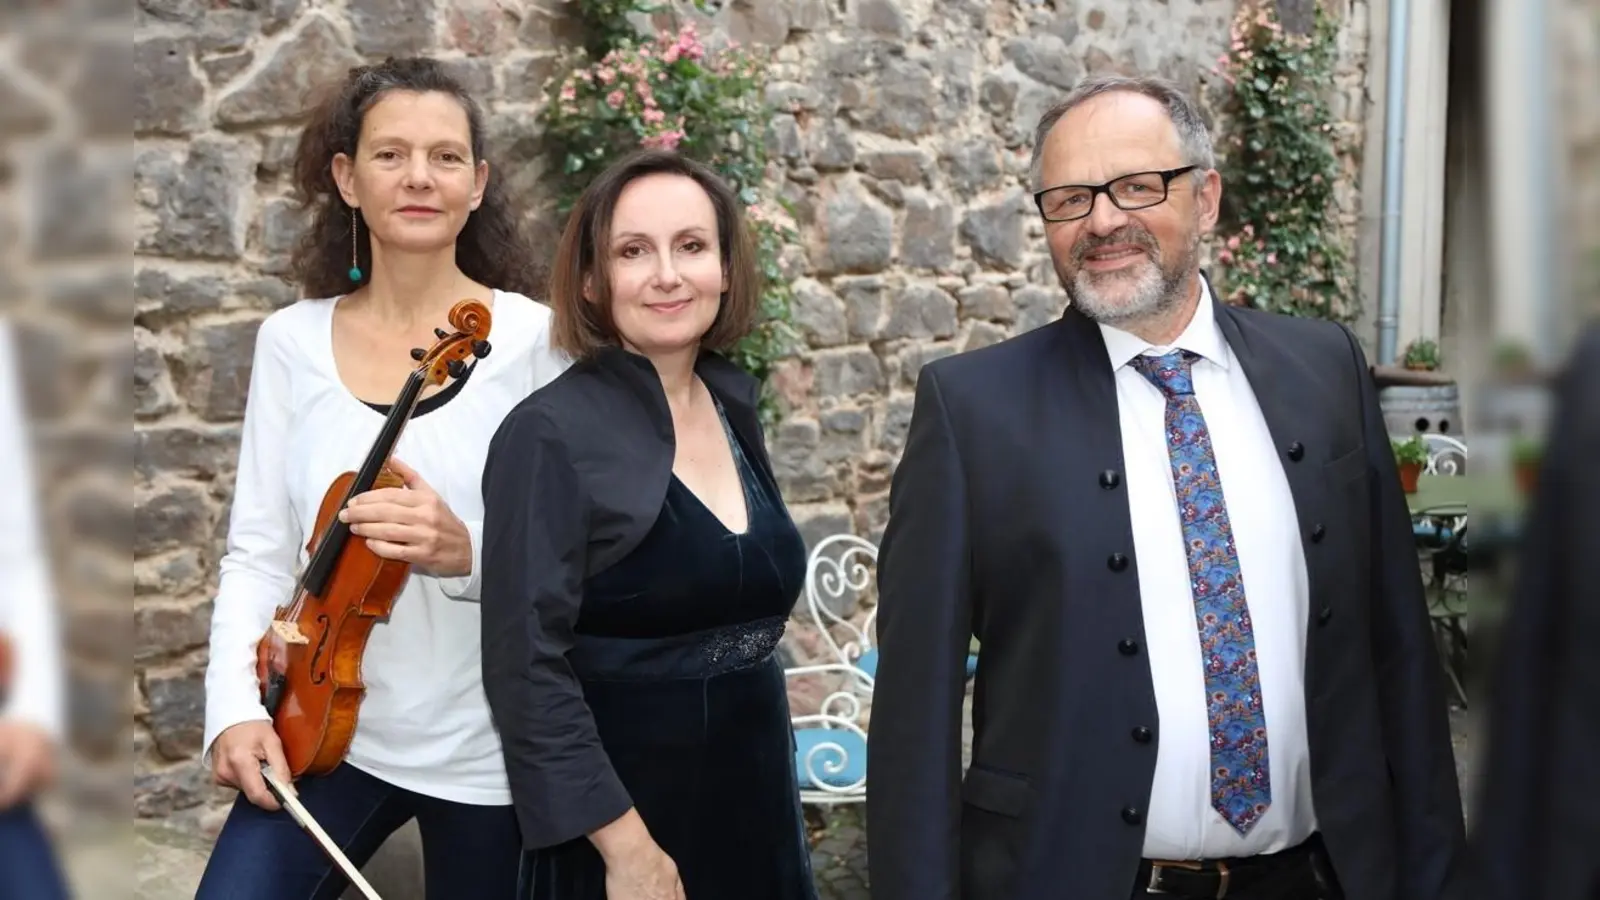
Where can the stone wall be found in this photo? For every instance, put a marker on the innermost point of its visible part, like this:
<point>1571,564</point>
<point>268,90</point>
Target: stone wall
<point>65,239</point>
<point>902,144</point>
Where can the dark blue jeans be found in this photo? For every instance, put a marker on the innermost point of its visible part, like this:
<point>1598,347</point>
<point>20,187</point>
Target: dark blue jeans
<point>467,851</point>
<point>28,866</point>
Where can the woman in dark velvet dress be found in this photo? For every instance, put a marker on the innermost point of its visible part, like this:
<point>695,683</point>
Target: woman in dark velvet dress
<point>639,566</point>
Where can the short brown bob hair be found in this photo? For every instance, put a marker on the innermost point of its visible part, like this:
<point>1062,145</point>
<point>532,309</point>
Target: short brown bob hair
<point>580,327</point>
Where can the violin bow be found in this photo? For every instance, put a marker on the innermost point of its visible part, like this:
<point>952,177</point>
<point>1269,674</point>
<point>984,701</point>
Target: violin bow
<point>286,796</point>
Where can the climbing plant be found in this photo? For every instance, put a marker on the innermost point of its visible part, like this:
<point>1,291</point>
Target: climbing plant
<point>1278,239</point>
<point>622,92</point>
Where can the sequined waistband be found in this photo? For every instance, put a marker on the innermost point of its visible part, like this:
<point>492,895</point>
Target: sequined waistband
<point>699,654</point>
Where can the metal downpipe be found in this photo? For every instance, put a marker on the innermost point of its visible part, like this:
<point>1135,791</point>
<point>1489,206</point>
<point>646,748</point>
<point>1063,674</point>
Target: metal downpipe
<point>1393,182</point>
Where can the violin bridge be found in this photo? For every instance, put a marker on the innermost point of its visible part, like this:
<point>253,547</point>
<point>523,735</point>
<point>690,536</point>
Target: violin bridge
<point>289,632</point>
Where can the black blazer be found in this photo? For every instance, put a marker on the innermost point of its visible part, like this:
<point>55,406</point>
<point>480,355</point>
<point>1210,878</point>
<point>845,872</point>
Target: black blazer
<point>1537,822</point>
<point>1008,520</point>
<point>574,480</point>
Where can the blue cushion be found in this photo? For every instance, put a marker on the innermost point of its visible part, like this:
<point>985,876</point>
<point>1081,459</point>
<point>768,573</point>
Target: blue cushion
<point>827,759</point>
<point>868,663</point>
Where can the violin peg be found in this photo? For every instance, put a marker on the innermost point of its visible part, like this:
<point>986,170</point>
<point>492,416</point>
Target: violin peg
<point>455,368</point>
<point>417,353</point>
<point>480,349</point>
<point>440,333</point>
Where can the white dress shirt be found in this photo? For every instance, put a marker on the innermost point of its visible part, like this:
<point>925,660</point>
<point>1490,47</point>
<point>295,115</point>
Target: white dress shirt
<point>28,615</point>
<point>1181,823</point>
<point>424,723</point>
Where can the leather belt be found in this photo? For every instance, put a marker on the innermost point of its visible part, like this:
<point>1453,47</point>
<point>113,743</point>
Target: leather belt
<point>1223,878</point>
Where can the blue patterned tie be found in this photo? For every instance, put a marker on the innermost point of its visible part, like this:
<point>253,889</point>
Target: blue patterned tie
<point>1239,786</point>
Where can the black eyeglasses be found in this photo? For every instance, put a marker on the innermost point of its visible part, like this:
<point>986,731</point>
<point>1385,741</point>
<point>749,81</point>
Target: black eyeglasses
<point>1140,190</point>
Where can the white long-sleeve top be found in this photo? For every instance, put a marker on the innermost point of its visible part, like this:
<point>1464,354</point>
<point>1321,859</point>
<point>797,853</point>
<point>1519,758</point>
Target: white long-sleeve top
<point>424,723</point>
<point>28,614</point>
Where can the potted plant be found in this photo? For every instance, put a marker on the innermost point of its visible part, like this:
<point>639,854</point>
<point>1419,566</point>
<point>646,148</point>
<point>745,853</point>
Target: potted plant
<point>1525,456</point>
<point>1422,355</point>
<point>1410,456</point>
<point>1512,360</point>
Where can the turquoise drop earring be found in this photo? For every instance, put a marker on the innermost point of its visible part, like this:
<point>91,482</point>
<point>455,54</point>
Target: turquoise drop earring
<point>355,260</point>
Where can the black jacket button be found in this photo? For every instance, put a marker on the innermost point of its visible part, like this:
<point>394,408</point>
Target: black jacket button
<point>1117,562</point>
<point>1110,478</point>
<point>1324,614</point>
<point>1296,451</point>
<point>1141,734</point>
<point>1317,533</point>
<point>1127,647</point>
<point>1132,816</point>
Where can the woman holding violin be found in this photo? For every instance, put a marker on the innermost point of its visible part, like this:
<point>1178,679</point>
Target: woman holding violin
<point>32,677</point>
<point>408,221</point>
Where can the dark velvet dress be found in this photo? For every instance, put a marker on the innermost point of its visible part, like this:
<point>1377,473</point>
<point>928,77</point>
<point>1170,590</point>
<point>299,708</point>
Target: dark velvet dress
<point>673,648</point>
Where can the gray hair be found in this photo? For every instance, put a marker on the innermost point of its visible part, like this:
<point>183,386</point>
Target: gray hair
<point>1194,140</point>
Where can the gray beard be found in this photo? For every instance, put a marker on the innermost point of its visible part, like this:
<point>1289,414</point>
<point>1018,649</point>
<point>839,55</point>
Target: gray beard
<point>1148,292</point>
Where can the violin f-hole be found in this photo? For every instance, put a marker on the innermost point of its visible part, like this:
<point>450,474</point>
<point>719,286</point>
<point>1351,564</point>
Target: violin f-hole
<point>319,675</point>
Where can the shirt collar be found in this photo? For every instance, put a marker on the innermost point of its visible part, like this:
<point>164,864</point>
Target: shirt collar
<point>1202,336</point>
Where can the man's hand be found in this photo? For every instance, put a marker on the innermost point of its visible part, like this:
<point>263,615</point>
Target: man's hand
<point>27,762</point>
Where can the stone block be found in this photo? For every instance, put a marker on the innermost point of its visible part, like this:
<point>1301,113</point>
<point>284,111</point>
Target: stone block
<point>314,55</point>
<point>856,231</point>
<point>927,237</point>
<point>393,27</point>
<point>170,93</point>
<point>848,371</point>
<point>203,453</point>
<point>1044,58</point>
<point>177,711</point>
<point>908,165</point>
<point>160,791</point>
<point>909,361</point>
<point>921,311</point>
<point>177,295</point>
<point>62,183</point>
<point>282,223</point>
<point>819,314</point>
<point>99,516</point>
<point>170,628</point>
<point>900,107</point>
<point>982,334</point>
<point>92,295</point>
<point>800,472</point>
<point>816,521</point>
<point>173,574</point>
<point>973,163</point>
<point>479,28</point>
<point>213,370</point>
<point>194,202</point>
<point>894,422</point>
<point>1038,306</point>
<point>865,303</point>
<point>986,301</point>
<point>995,231</point>
<point>884,18</point>
<point>174,517</point>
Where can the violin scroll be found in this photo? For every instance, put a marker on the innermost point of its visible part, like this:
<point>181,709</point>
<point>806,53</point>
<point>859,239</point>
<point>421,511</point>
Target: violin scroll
<point>471,320</point>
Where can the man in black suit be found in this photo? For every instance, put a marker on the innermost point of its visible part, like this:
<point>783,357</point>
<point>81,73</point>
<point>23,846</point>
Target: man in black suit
<point>1537,823</point>
<point>1178,694</point>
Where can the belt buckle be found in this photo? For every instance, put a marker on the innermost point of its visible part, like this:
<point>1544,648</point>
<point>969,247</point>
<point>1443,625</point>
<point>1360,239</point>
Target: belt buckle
<point>1156,868</point>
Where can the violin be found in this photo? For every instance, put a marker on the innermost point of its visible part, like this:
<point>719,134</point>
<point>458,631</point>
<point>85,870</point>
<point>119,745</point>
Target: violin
<point>309,661</point>
<point>6,657</point>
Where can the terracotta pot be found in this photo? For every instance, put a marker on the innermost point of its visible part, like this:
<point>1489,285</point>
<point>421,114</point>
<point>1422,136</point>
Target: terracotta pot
<point>1408,476</point>
<point>1527,475</point>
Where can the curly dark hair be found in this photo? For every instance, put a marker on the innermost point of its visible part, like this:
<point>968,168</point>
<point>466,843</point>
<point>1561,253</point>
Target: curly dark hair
<point>492,248</point>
